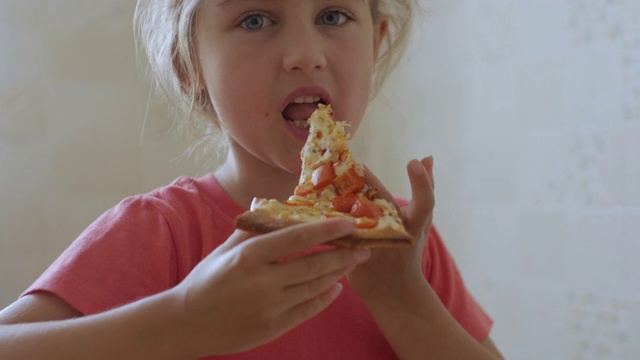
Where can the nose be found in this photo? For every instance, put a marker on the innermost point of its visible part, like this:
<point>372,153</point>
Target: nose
<point>304,50</point>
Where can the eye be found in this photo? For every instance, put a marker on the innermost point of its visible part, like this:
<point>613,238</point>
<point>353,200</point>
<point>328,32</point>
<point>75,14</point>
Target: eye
<point>333,18</point>
<point>255,22</point>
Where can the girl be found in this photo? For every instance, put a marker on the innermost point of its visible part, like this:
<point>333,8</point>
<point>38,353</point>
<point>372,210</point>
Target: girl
<point>164,275</point>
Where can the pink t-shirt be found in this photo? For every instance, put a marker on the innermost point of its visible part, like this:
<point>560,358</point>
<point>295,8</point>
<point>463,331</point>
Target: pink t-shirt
<point>149,243</point>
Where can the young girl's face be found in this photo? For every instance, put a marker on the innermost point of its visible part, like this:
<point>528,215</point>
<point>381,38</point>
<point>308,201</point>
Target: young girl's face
<point>266,64</point>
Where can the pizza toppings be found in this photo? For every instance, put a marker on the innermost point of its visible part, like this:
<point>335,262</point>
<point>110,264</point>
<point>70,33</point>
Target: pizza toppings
<point>331,184</point>
<point>349,182</point>
<point>344,203</point>
<point>323,176</point>
<point>304,189</point>
<point>298,202</point>
<point>366,208</point>
<point>366,223</point>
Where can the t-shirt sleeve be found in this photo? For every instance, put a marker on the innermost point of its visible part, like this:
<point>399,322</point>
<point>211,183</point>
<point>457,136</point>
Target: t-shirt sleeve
<point>445,279</point>
<point>126,254</point>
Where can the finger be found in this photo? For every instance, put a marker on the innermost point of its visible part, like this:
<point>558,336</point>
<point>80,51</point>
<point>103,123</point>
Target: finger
<point>238,237</point>
<point>374,182</point>
<point>307,268</point>
<point>310,308</point>
<point>422,198</point>
<point>235,239</point>
<point>304,292</point>
<point>290,240</point>
<point>428,164</point>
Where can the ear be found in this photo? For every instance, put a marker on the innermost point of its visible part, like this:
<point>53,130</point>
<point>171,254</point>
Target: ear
<point>380,30</point>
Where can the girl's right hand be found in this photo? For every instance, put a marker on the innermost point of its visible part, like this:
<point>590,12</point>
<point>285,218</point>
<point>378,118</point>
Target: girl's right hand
<point>241,296</point>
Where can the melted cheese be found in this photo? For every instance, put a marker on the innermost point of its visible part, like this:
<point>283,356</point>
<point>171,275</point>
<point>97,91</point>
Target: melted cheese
<point>327,142</point>
<point>320,211</point>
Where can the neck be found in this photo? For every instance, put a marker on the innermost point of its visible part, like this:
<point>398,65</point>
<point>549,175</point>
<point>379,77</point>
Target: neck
<point>244,177</point>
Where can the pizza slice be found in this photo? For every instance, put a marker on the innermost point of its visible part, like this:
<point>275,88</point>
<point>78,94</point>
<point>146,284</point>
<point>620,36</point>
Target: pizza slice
<point>331,184</point>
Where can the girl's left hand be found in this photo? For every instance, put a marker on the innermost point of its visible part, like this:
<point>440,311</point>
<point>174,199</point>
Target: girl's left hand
<point>393,272</point>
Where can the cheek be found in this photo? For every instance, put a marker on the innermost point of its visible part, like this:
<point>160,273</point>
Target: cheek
<point>234,90</point>
<point>357,89</point>
<point>357,62</point>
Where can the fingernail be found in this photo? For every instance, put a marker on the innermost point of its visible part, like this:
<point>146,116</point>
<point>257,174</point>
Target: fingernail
<point>335,289</point>
<point>362,254</point>
<point>416,167</point>
<point>430,162</point>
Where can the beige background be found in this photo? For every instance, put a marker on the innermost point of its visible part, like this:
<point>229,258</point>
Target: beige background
<point>531,109</point>
<point>72,115</point>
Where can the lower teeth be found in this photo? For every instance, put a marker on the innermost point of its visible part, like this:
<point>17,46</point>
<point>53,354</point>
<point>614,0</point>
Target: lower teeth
<point>302,124</point>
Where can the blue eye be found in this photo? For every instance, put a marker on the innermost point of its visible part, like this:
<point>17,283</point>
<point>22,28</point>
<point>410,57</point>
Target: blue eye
<point>255,22</point>
<point>333,17</point>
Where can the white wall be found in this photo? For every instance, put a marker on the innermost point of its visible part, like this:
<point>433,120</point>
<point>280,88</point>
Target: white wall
<point>531,109</point>
<point>72,108</point>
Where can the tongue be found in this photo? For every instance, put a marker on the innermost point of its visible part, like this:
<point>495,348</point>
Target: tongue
<point>299,111</point>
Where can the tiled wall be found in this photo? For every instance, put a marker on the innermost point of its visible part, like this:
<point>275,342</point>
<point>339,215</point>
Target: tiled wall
<point>72,113</point>
<point>532,111</point>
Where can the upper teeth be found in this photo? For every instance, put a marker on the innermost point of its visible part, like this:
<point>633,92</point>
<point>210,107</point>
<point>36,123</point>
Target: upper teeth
<point>306,99</point>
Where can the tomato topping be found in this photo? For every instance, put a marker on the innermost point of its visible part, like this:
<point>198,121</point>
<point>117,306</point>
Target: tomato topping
<point>349,182</point>
<point>303,189</point>
<point>366,208</point>
<point>323,176</point>
<point>344,203</point>
<point>366,223</point>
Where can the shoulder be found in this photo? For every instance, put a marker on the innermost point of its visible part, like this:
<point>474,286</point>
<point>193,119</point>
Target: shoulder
<point>183,198</point>
<point>197,211</point>
<point>162,204</point>
<point>141,217</point>
<point>180,193</point>
<point>179,212</point>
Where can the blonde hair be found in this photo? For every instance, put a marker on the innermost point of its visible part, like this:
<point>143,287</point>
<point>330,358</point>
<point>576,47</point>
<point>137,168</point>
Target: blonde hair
<point>165,30</point>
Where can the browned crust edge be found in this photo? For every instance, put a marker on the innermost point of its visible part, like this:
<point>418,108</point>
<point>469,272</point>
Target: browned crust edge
<point>261,221</point>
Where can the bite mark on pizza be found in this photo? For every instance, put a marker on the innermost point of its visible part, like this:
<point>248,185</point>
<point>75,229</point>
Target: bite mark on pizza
<point>331,184</point>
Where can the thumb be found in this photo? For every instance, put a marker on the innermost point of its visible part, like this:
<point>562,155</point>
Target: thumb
<point>420,209</point>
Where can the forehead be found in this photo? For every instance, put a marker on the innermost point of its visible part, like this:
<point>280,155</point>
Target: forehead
<point>228,2</point>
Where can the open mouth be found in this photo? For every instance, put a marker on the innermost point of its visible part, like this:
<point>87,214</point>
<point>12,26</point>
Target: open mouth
<point>300,109</point>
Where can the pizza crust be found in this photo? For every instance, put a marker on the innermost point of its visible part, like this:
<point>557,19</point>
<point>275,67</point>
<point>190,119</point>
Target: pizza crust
<point>262,221</point>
